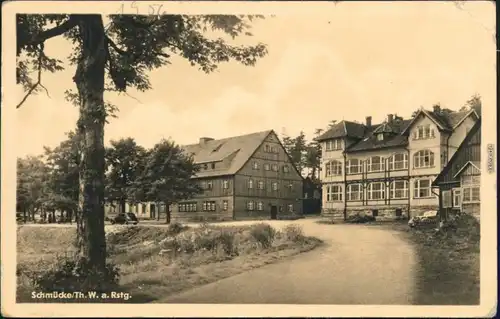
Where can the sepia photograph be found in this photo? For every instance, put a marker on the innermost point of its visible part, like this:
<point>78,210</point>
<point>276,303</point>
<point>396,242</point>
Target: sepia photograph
<point>213,159</point>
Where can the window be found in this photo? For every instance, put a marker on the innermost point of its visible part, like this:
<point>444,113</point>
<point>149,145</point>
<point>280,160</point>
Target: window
<point>286,169</point>
<point>399,189</point>
<point>423,159</point>
<point>275,167</point>
<point>275,186</point>
<point>260,206</point>
<point>290,186</point>
<point>213,165</point>
<point>375,212</point>
<point>398,161</point>
<point>205,166</point>
<point>250,183</point>
<point>334,145</point>
<point>355,192</point>
<point>225,204</point>
<point>267,167</point>
<point>399,212</point>
<point>267,148</point>
<point>457,199</point>
<point>225,184</point>
<point>250,205</point>
<point>376,191</point>
<point>188,207</point>
<point>380,137</point>
<point>255,165</point>
<point>290,208</point>
<point>446,199</point>
<point>376,164</point>
<point>260,185</point>
<point>334,193</point>
<point>354,166</point>
<point>333,168</point>
<point>422,188</point>
<point>423,132</point>
<point>209,206</point>
<point>209,185</point>
<point>471,189</point>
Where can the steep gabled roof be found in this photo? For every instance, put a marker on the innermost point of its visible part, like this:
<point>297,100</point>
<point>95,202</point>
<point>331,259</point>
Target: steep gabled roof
<point>475,164</point>
<point>343,129</point>
<point>445,121</point>
<point>450,166</point>
<point>236,150</point>
<point>392,137</point>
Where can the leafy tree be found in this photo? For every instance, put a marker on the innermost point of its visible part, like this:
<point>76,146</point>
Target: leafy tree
<point>123,159</point>
<point>116,57</point>
<point>31,183</point>
<point>296,148</point>
<point>63,182</point>
<point>167,176</point>
<point>473,103</point>
<point>313,156</point>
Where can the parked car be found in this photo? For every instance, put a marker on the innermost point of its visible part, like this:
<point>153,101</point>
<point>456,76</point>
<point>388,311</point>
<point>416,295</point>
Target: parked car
<point>125,218</point>
<point>428,218</point>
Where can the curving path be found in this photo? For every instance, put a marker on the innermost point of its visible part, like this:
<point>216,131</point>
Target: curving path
<point>358,264</point>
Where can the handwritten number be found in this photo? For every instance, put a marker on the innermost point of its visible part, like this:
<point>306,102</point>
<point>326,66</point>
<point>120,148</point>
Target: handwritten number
<point>134,6</point>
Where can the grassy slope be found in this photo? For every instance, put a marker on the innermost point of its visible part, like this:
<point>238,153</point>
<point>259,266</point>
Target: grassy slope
<point>145,273</point>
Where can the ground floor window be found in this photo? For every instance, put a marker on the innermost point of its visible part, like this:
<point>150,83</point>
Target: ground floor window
<point>334,193</point>
<point>260,206</point>
<point>376,191</point>
<point>422,188</point>
<point>209,206</point>
<point>399,212</point>
<point>225,205</point>
<point>250,205</point>
<point>355,192</point>
<point>457,198</point>
<point>471,189</point>
<point>188,207</point>
<point>290,208</point>
<point>399,189</point>
<point>446,199</point>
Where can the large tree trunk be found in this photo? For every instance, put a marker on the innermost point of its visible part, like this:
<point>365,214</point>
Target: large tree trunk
<point>89,79</point>
<point>122,205</point>
<point>167,213</point>
<point>24,215</point>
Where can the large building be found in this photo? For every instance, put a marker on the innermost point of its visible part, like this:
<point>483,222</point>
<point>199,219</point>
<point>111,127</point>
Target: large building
<point>460,181</point>
<point>243,177</point>
<point>387,169</point>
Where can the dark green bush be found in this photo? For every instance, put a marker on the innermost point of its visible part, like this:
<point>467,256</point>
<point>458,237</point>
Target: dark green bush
<point>360,219</point>
<point>71,274</point>
<point>263,234</point>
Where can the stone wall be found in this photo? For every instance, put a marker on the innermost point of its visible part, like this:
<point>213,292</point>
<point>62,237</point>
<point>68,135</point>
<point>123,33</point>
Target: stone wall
<point>337,214</point>
<point>383,212</point>
<point>420,210</point>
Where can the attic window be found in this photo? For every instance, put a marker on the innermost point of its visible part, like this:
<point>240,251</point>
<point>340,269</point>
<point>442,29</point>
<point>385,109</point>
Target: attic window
<point>217,148</point>
<point>380,137</point>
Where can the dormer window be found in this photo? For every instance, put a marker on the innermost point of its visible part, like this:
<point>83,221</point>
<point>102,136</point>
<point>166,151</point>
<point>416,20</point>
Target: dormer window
<point>334,145</point>
<point>380,137</point>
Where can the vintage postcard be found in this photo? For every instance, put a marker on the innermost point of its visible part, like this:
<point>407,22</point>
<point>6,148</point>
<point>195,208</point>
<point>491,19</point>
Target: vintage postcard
<point>255,159</point>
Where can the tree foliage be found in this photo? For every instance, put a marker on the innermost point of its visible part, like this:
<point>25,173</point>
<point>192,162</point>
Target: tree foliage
<point>167,175</point>
<point>124,160</point>
<point>31,184</point>
<point>116,57</point>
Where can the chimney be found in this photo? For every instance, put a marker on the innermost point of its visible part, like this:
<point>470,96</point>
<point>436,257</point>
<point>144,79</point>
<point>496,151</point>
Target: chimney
<point>203,140</point>
<point>437,108</point>
<point>390,117</point>
<point>369,121</point>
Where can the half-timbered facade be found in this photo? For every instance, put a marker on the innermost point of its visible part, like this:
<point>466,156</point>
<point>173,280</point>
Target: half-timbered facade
<point>386,170</point>
<point>459,182</point>
<point>243,177</point>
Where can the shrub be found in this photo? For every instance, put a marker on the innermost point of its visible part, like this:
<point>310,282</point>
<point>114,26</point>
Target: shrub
<point>175,228</point>
<point>293,233</point>
<point>71,274</point>
<point>360,219</point>
<point>263,234</point>
<point>227,240</point>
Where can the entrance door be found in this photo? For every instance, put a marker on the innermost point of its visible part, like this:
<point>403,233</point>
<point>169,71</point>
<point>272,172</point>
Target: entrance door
<point>274,212</point>
<point>152,208</point>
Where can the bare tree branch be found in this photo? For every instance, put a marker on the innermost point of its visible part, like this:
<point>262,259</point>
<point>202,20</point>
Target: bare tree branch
<point>38,83</point>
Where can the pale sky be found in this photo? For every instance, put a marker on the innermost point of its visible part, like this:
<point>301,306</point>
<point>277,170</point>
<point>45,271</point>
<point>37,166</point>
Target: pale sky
<point>353,60</point>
